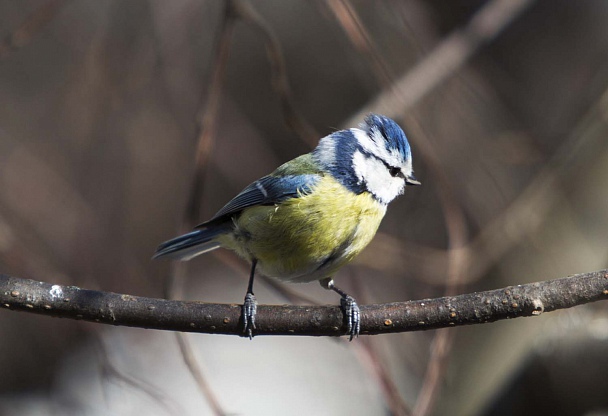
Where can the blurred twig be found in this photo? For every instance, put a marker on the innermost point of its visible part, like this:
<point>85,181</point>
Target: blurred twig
<point>457,266</point>
<point>376,362</point>
<point>32,24</point>
<point>530,299</point>
<point>22,248</point>
<point>192,213</point>
<point>110,371</point>
<point>451,54</point>
<point>195,369</point>
<point>436,367</point>
<point>209,113</point>
<point>280,82</point>
<point>370,357</point>
<point>349,20</point>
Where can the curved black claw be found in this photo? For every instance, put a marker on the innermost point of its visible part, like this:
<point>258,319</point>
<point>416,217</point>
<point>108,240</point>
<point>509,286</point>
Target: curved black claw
<point>352,313</point>
<point>250,307</point>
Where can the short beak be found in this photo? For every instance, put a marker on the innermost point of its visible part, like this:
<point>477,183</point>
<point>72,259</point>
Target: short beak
<point>411,180</point>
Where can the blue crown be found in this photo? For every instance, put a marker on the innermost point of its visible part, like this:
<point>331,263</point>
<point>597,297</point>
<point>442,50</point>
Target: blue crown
<point>394,137</point>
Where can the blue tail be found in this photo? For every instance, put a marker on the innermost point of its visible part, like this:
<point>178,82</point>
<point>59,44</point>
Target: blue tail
<point>192,244</point>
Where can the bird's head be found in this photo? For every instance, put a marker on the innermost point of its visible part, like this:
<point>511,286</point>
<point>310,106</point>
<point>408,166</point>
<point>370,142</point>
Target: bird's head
<point>374,158</point>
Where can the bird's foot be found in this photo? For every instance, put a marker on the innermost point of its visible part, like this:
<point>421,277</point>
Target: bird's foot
<point>250,307</point>
<point>352,314</point>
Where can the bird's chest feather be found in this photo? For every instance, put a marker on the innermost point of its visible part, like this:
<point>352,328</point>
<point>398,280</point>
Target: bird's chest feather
<point>310,237</point>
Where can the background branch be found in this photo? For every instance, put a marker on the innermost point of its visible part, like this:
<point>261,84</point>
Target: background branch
<point>444,61</point>
<point>34,23</point>
<point>473,308</point>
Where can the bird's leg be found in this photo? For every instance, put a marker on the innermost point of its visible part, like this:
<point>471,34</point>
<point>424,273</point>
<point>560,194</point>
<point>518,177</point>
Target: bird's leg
<point>349,307</point>
<point>250,305</point>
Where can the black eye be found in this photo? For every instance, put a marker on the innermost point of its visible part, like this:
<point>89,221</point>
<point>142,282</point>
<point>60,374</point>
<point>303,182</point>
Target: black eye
<point>394,171</point>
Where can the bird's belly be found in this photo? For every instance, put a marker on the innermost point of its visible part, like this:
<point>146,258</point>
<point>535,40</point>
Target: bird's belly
<point>310,237</point>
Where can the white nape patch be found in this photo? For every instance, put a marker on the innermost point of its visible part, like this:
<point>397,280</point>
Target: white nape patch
<point>56,292</point>
<point>377,178</point>
<point>326,150</point>
<point>375,145</point>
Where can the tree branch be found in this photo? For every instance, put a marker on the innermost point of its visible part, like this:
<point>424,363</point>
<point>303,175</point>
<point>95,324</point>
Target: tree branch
<point>474,308</point>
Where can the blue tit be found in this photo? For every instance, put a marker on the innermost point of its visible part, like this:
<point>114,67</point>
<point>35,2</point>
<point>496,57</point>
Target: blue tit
<point>313,214</point>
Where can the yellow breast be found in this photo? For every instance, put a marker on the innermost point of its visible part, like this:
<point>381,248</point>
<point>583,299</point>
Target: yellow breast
<point>310,237</point>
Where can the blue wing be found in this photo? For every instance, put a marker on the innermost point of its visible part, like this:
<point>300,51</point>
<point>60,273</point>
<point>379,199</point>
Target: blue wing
<point>268,190</point>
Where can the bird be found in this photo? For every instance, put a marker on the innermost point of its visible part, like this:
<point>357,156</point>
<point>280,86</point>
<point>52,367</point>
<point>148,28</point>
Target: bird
<point>312,215</point>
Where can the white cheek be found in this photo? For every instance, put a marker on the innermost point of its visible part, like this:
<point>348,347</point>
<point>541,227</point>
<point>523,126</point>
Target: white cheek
<point>376,177</point>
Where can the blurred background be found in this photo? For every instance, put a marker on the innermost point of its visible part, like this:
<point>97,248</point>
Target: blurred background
<point>107,106</point>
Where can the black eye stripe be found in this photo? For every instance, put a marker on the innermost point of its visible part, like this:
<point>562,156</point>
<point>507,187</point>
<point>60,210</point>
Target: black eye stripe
<point>393,170</point>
